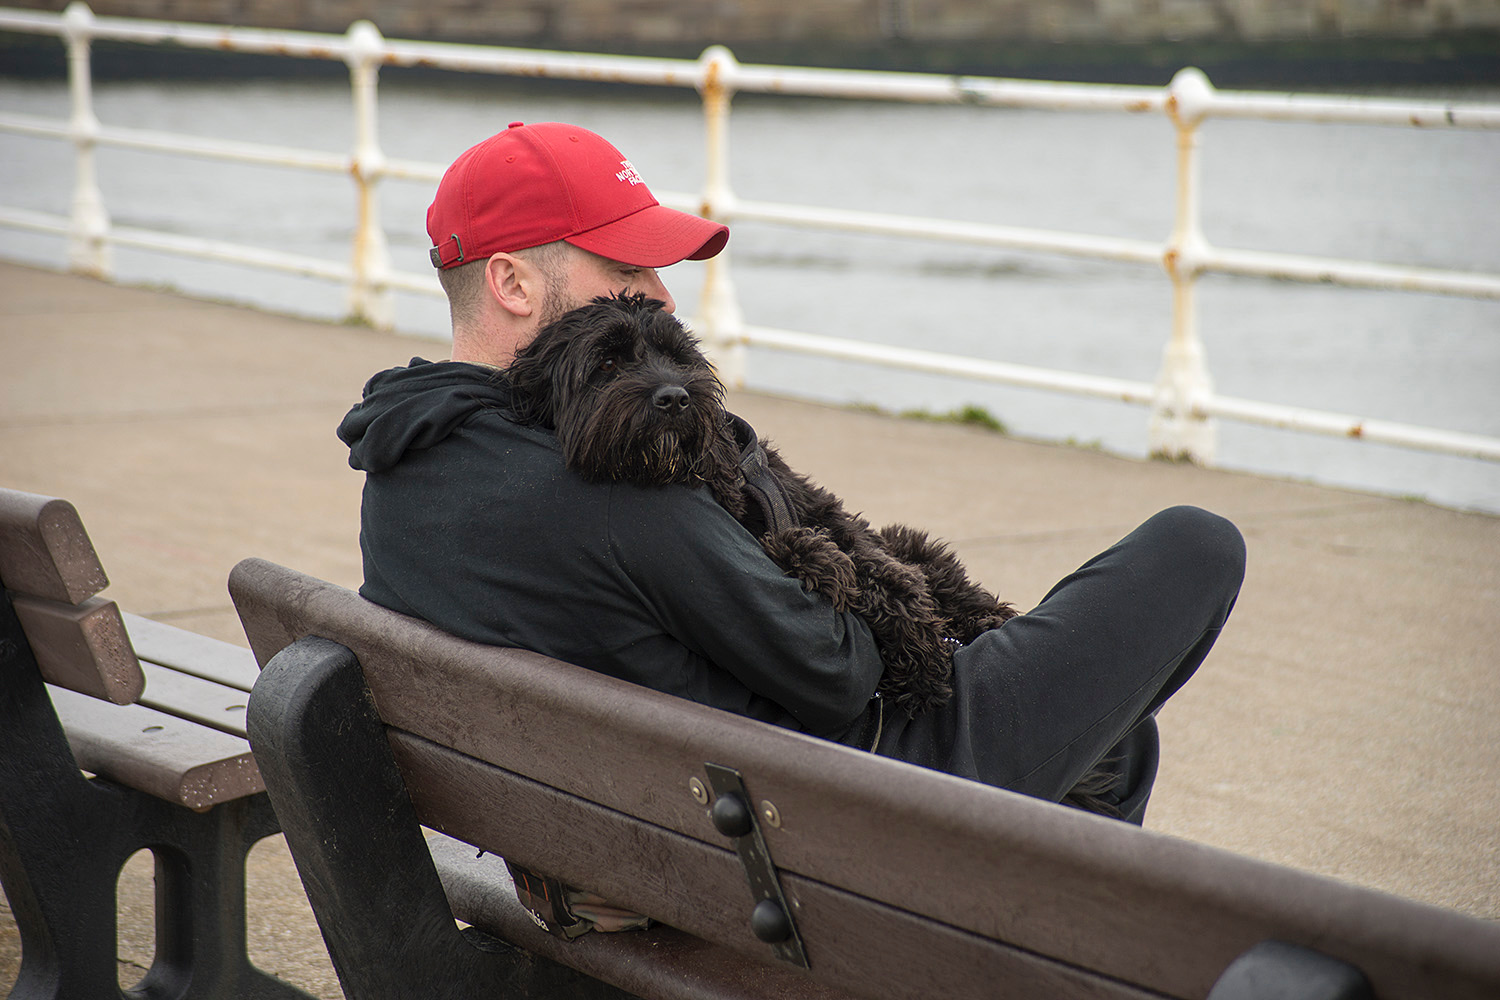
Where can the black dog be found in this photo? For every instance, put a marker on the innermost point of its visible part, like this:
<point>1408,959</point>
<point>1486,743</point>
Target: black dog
<point>633,399</point>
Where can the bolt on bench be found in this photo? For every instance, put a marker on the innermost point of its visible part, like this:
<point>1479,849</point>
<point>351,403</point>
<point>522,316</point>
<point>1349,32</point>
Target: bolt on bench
<point>780,865</point>
<point>156,715</point>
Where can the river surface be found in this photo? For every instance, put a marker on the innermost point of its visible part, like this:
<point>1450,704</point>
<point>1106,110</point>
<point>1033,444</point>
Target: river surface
<point>1403,196</point>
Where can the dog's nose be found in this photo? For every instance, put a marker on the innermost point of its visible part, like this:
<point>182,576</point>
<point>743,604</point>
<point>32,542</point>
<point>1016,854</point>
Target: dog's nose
<point>670,399</point>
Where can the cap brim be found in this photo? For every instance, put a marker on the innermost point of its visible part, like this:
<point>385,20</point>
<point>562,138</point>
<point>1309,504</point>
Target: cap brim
<point>655,236</point>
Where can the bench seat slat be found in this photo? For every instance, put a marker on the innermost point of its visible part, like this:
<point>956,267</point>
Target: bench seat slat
<point>869,948</point>
<point>156,753</point>
<point>83,647</point>
<point>194,699</point>
<point>45,551</point>
<point>191,653</point>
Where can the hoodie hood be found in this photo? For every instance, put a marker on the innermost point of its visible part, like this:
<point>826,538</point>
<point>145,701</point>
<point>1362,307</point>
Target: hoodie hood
<point>416,407</point>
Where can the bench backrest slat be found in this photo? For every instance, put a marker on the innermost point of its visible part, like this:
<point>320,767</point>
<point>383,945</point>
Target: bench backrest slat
<point>44,549</point>
<point>50,568</point>
<point>1135,905</point>
<point>82,647</point>
<point>854,943</point>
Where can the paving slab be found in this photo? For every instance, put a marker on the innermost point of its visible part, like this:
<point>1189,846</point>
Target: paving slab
<point>1346,723</point>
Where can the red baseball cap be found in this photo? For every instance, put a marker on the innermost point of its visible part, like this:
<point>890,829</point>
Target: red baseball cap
<point>534,184</point>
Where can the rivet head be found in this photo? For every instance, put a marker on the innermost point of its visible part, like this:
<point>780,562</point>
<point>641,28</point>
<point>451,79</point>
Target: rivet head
<point>731,816</point>
<point>768,921</point>
<point>700,794</point>
<point>770,813</point>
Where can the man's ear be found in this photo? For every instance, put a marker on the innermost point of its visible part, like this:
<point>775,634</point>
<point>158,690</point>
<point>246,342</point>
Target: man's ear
<point>513,284</point>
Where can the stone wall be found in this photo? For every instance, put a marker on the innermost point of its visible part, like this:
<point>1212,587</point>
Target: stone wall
<point>685,25</point>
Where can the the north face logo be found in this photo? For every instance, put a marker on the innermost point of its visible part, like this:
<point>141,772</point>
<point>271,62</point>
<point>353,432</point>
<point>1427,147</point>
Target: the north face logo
<point>629,174</point>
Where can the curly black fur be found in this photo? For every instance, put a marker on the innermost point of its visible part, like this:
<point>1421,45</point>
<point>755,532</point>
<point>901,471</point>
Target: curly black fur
<point>632,398</point>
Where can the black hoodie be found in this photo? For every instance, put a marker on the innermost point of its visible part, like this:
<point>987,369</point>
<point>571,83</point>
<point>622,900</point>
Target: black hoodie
<point>473,523</point>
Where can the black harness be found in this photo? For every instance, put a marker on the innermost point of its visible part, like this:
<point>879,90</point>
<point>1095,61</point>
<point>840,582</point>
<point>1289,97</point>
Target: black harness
<point>760,483</point>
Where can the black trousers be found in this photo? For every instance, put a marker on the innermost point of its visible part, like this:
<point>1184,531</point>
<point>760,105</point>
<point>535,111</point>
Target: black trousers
<point>1076,682</point>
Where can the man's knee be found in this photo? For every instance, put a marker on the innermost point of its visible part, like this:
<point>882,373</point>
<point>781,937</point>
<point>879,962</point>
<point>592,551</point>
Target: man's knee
<point>1208,542</point>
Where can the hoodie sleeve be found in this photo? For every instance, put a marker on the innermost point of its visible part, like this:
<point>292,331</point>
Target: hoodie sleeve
<point>713,589</point>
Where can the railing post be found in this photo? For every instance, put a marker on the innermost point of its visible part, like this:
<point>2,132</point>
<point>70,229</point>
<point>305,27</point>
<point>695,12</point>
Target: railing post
<point>88,239</point>
<point>720,321</point>
<point>1180,427</point>
<point>370,297</point>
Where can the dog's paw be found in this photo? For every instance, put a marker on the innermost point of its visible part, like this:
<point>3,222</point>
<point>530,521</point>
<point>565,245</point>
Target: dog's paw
<point>918,664</point>
<point>811,556</point>
<point>970,609</point>
<point>965,627</point>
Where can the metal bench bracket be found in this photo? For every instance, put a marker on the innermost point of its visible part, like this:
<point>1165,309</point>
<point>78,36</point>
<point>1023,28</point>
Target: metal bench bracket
<point>735,817</point>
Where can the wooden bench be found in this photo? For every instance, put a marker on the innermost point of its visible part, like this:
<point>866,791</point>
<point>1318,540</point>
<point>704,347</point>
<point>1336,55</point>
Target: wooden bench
<point>156,716</point>
<point>897,881</point>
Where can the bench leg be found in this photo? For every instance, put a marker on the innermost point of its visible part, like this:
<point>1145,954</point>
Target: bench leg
<point>352,830</point>
<point>200,903</point>
<point>64,839</point>
<point>63,900</point>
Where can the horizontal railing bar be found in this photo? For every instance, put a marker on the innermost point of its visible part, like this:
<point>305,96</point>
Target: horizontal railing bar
<point>49,128</point>
<point>1352,110</point>
<point>223,149</point>
<point>238,253</point>
<point>939,89</point>
<point>193,246</point>
<point>39,222</point>
<point>1051,96</point>
<point>421,284</point>
<point>681,201</point>
<point>1251,263</point>
<point>1121,390</point>
<point>413,170</point>
<point>220,149</point>
<point>1352,273</point>
<point>173,142</point>
<point>911,359</point>
<point>1012,237</point>
<point>30,22</point>
<point>804,81</point>
<point>304,44</point>
<point>1357,428</point>
<point>544,63</point>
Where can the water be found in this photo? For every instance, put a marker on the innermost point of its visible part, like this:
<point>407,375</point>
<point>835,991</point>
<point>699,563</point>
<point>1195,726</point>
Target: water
<point>1385,194</point>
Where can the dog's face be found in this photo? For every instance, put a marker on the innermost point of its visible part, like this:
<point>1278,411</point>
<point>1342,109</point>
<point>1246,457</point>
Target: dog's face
<point>627,390</point>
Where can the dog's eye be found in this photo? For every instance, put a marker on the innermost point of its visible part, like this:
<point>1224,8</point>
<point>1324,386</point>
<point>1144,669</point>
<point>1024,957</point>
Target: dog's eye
<point>608,366</point>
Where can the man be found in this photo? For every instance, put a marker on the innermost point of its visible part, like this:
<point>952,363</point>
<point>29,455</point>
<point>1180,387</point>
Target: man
<point>473,523</point>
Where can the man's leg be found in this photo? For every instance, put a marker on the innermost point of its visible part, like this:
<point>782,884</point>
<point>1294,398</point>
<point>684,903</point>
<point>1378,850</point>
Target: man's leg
<point>1040,701</point>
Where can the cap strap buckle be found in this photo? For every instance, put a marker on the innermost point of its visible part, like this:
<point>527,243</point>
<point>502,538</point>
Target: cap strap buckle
<point>450,251</point>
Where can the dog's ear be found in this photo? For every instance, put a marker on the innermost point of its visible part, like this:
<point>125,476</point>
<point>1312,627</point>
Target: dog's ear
<point>535,372</point>
<point>557,364</point>
<point>527,404</point>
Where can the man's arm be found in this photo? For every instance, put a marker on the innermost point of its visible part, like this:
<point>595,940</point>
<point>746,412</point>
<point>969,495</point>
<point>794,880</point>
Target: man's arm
<point>713,589</point>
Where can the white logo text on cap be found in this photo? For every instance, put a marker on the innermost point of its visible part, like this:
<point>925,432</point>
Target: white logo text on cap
<point>629,174</point>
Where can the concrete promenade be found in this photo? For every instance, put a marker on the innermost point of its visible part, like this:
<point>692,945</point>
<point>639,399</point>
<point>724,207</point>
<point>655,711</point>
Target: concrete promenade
<point>1347,723</point>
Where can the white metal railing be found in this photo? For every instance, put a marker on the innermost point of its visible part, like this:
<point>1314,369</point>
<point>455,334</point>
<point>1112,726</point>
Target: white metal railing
<point>1182,402</point>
